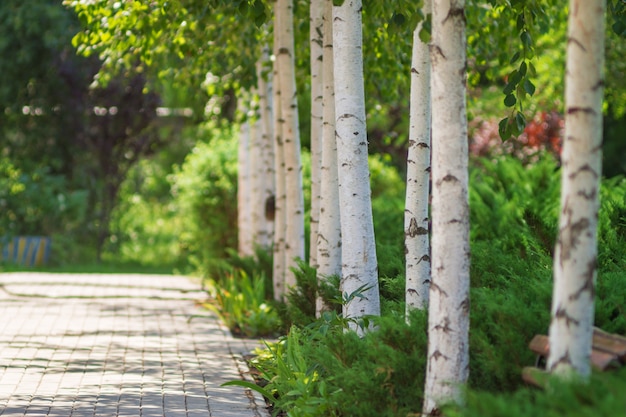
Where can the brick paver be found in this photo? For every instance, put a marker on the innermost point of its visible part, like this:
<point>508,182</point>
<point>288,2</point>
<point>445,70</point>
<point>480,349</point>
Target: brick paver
<point>116,345</point>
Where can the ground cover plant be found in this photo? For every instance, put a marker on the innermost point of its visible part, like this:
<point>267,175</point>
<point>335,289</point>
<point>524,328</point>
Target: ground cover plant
<point>318,369</point>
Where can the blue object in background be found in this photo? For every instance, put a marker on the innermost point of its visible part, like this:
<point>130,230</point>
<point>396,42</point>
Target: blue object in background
<point>26,250</point>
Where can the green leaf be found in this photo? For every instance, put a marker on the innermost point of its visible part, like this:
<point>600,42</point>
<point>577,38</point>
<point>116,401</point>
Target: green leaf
<point>520,121</point>
<point>515,57</point>
<point>510,100</point>
<point>529,87</point>
<point>526,39</point>
<point>249,385</point>
<point>502,128</point>
<point>523,68</point>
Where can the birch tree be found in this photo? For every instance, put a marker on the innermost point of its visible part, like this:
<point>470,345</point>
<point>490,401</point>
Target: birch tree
<point>289,128</point>
<point>448,318</point>
<point>244,209</point>
<point>279,263</point>
<point>416,236</point>
<point>316,24</point>
<point>267,171</point>
<point>329,233</point>
<point>359,264</point>
<point>571,328</point>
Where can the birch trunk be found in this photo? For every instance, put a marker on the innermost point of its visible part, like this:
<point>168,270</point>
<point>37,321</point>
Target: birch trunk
<point>416,230</point>
<point>256,173</point>
<point>294,201</point>
<point>244,212</point>
<point>329,233</point>
<point>279,260</point>
<point>315,40</point>
<point>359,264</point>
<point>448,319</point>
<point>571,328</point>
<point>267,172</point>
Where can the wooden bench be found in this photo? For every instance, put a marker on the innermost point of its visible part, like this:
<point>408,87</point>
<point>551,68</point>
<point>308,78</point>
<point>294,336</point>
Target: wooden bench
<point>608,352</point>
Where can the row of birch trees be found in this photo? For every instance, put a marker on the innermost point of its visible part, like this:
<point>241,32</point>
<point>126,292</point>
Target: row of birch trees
<point>437,277</point>
<point>342,242</point>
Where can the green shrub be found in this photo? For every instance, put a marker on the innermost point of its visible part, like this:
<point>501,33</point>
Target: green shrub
<point>241,302</point>
<point>323,370</point>
<point>602,397</point>
<point>205,190</point>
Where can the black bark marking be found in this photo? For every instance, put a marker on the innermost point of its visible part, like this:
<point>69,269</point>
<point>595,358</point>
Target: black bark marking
<point>423,145</point>
<point>414,71</point>
<point>589,284</point>
<point>561,314</point>
<point>571,237</point>
<point>284,51</point>
<point>425,258</point>
<point>455,13</point>
<point>450,178</point>
<point>598,85</point>
<point>577,43</point>
<point>437,288</point>
<point>587,110</point>
<point>587,195</point>
<point>445,327</point>
<point>436,50</point>
<point>436,355</point>
<point>415,230</point>
<point>465,306</point>
<point>563,360</point>
<point>584,168</point>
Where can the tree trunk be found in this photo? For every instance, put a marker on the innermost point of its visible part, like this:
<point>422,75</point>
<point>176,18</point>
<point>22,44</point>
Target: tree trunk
<point>571,328</point>
<point>244,213</point>
<point>360,267</point>
<point>279,260</point>
<point>266,231</point>
<point>416,230</point>
<point>329,233</point>
<point>315,40</point>
<point>294,204</point>
<point>449,304</point>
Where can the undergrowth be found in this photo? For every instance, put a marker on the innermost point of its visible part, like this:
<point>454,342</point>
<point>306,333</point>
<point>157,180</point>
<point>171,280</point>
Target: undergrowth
<point>320,369</point>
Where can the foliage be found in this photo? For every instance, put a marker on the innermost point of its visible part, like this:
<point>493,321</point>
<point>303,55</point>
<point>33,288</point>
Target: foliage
<point>205,190</point>
<point>37,202</point>
<point>601,397</point>
<point>323,370</point>
<point>242,304</point>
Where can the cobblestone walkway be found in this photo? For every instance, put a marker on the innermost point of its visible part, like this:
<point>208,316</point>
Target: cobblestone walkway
<point>116,345</point>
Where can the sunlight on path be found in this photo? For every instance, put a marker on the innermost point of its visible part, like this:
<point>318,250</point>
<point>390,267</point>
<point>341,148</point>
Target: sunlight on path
<point>115,345</point>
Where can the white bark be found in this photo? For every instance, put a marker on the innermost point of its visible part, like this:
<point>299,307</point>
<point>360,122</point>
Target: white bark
<point>266,230</point>
<point>256,176</point>
<point>279,259</point>
<point>315,40</point>
<point>294,203</point>
<point>416,230</point>
<point>448,319</point>
<point>359,266</point>
<point>244,208</point>
<point>329,233</point>
<point>571,328</point>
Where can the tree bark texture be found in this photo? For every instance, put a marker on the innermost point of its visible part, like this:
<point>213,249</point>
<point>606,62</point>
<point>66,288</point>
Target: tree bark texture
<point>571,328</point>
<point>416,217</point>
<point>244,208</point>
<point>329,233</point>
<point>449,304</point>
<point>279,259</point>
<point>316,41</point>
<point>359,263</point>
<point>266,231</point>
<point>294,202</point>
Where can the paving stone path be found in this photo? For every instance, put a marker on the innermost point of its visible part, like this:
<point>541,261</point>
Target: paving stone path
<point>116,345</point>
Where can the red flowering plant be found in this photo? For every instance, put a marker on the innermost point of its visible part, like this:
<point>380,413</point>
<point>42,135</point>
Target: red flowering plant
<point>544,133</point>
